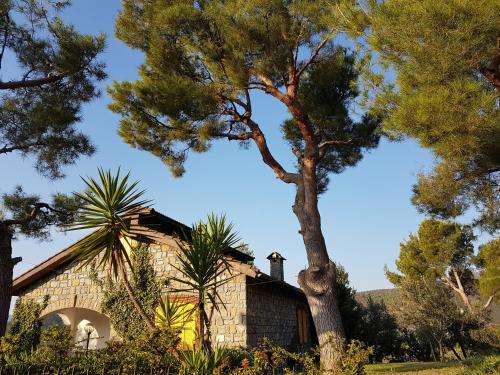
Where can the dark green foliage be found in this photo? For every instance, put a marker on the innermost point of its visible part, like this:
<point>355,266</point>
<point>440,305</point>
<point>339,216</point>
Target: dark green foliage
<point>147,288</point>
<point>380,331</point>
<point>151,353</point>
<point>488,259</point>
<point>26,326</point>
<point>35,217</point>
<point>55,343</point>
<point>203,60</point>
<point>57,71</point>
<point>350,310</point>
<point>446,96</point>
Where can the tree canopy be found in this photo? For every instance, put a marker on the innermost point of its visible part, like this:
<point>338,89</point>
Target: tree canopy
<point>57,68</point>
<point>445,95</point>
<point>204,60</point>
<point>443,251</point>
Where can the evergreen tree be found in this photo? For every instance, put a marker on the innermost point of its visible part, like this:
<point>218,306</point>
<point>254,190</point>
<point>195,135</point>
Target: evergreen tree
<point>204,60</point>
<point>443,251</point>
<point>446,56</point>
<point>40,105</point>
<point>380,330</point>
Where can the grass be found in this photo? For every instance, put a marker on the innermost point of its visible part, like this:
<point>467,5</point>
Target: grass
<point>414,368</point>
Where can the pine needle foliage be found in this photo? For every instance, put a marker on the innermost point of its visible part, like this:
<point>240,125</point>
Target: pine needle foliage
<point>446,59</point>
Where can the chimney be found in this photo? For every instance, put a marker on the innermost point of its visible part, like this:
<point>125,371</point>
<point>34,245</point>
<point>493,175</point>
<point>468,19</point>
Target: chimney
<point>276,261</point>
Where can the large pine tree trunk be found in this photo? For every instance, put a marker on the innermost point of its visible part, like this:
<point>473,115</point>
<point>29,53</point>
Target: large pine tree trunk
<point>318,280</point>
<point>6,274</point>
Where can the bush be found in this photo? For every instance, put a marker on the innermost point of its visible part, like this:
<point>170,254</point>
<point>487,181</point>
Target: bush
<point>25,327</point>
<point>488,365</point>
<point>355,358</point>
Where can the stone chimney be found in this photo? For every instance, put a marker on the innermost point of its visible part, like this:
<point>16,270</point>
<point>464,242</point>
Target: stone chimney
<point>276,261</point>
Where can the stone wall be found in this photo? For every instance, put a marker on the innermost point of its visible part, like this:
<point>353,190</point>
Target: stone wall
<point>71,286</point>
<point>229,323</point>
<point>272,313</point>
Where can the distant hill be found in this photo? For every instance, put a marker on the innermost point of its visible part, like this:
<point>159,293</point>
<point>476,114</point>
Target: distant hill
<point>390,298</point>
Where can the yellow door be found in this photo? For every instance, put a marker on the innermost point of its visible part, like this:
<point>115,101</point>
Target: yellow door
<point>178,314</point>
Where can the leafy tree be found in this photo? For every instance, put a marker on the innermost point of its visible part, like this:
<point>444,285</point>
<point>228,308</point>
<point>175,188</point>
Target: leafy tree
<point>380,331</point>
<point>429,308</point>
<point>445,95</point>
<point>204,60</point>
<point>39,108</point>
<point>204,268</point>
<point>31,217</point>
<point>350,310</point>
<point>146,286</point>
<point>109,205</point>
<point>56,71</point>
<point>489,260</point>
<point>443,251</point>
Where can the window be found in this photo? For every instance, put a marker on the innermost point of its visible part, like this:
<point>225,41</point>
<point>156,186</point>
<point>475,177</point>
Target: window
<point>303,324</point>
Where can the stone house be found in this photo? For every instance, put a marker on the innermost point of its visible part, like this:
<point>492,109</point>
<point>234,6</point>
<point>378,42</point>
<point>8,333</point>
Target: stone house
<point>257,305</point>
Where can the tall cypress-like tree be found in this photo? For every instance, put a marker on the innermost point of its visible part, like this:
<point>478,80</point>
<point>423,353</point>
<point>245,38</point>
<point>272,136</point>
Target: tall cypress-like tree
<point>40,101</point>
<point>203,62</point>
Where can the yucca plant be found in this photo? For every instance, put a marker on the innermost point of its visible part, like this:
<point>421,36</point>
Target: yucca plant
<point>202,361</point>
<point>110,203</point>
<point>172,313</point>
<point>202,263</point>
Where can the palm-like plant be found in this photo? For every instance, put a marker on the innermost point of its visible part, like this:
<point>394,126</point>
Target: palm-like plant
<point>202,263</point>
<point>109,204</point>
<point>172,313</point>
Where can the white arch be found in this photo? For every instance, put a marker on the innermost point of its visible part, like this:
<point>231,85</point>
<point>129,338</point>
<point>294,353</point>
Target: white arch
<point>78,319</point>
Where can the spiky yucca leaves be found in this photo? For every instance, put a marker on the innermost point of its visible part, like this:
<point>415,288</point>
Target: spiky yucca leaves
<point>202,264</point>
<point>172,313</point>
<point>110,203</point>
<point>202,362</point>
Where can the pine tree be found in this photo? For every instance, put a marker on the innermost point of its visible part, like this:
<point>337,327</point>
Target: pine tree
<point>39,108</point>
<point>204,60</point>
<point>446,59</point>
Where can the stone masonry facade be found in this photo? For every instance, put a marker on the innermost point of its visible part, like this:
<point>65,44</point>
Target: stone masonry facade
<point>71,286</point>
<point>252,309</point>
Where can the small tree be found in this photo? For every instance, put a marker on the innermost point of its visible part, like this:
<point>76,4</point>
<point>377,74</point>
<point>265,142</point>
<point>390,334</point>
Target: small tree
<point>488,259</point>
<point>110,203</point>
<point>442,251</point>
<point>379,329</point>
<point>31,217</point>
<point>204,269</point>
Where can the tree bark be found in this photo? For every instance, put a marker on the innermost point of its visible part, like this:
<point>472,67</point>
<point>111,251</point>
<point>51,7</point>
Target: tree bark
<point>318,280</point>
<point>136,303</point>
<point>6,275</point>
<point>457,356</point>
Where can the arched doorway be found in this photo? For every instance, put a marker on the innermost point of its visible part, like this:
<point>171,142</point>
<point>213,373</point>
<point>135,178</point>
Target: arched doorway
<point>89,328</point>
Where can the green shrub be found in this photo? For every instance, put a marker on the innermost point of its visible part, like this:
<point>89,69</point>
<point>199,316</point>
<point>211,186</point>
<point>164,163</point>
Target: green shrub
<point>488,365</point>
<point>355,357</point>
<point>26,326</point>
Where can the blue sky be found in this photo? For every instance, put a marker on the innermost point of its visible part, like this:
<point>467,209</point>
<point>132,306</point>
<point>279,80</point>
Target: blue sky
<point>366,212</point>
